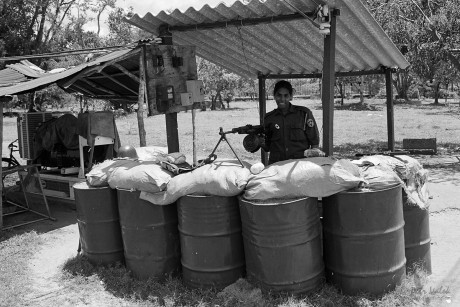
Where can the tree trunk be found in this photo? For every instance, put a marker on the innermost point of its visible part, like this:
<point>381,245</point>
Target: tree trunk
<point>213,102</point>
<point>361,90</point>
<point>436,93</point>
<point>401,83</point>
<point>41,28</point>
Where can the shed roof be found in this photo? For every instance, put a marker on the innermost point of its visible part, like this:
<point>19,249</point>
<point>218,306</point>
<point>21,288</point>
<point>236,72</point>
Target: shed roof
<point>49,78</point>
<point>19,72</point>
<point>283,41</point>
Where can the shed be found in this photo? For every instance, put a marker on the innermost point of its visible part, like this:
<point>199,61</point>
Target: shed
<point>287,39</point>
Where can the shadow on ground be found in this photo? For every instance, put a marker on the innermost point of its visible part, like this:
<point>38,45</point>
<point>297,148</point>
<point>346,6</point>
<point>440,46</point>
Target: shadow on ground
<point>62,210</point>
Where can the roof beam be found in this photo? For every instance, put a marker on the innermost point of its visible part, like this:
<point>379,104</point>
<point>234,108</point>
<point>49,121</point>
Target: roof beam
<point>319,75</point>
<point>99,68</point>
<point>118,74</point>
<point>118,82</point>
<point>126,72</point>
<point>240,22</point>
<point>98,87</point>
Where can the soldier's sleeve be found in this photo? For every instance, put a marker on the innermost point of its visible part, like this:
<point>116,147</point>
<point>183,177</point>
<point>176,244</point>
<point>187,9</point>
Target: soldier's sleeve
<point>311,128</point>
<point>268,134</point>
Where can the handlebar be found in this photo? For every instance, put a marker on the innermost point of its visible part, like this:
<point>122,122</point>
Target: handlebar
<point>11,145</point>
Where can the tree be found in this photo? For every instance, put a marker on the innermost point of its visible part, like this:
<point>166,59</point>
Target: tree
<point>427,30</point>
<point>217,81</point>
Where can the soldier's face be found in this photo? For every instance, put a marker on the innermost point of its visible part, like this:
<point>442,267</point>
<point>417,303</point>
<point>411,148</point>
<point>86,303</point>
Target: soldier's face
<point>282,98</point>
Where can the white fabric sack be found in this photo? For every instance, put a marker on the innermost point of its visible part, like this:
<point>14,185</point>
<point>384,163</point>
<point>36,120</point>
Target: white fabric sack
<point>141,176</point>
<point>99,174</point>
<point>221,178</point>
<point>380,177</point>
<point>308,177</point>
<point>151,153</point>
<point>409,170</point>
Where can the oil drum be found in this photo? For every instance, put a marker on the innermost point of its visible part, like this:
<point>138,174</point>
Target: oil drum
<point>98,223</point>
<point>364,240</point>
<point>211,241</point>
<point>417,236</point>
<point>282,244</point>
<point>150,236</point>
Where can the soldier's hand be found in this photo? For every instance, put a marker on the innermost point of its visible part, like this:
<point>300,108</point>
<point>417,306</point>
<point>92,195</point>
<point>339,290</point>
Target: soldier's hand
<point>314,152</point>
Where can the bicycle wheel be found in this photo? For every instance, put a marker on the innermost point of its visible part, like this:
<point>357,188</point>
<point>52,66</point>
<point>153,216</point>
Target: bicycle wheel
<point>8,162</point>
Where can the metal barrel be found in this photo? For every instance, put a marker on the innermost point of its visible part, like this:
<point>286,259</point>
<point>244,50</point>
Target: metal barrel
<point>211,241</point>
<point>150,236</point>
<point>417,236</point>
<point>282,244</point>
<point>364,240</point>
<point>98,223</point>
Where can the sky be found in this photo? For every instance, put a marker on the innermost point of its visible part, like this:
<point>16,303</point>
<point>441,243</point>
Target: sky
<point>142,7</point>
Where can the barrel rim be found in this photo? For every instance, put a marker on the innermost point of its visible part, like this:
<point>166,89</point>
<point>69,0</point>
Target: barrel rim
<point>127,190</point>
<point>287,202</point>
<point>351,191</point>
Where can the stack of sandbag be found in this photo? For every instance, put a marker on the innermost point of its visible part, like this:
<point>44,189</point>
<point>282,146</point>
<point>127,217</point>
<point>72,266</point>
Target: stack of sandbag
<point>99,174</point>
<point>220,178</point>
<point>159,154</point>
<point>382,171</point>
<point>308,177</point>
<point>129,174</point>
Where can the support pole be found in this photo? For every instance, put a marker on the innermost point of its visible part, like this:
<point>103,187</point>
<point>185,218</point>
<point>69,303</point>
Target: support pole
<point>1,175</point>
<point>141,98</point>
<point>194,135</point>
<point>390,109</point>
<point>327,95</point>
<point>262,111</point>
<point>172,132</point>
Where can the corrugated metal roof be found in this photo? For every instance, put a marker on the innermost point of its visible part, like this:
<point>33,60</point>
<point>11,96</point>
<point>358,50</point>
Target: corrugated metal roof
<point>10,76</point>
<point>48,79</point>
<point>27,68</point>
<point>282,47</point>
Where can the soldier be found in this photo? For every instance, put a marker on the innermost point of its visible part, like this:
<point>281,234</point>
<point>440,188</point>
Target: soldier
<point>290,131</point>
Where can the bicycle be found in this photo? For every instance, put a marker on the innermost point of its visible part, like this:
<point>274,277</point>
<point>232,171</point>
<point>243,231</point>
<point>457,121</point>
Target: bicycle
<point>8,162</point>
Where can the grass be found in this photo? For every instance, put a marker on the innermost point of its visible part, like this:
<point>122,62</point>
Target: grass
<point>15,252</point>
<point>354,131</point>
<point>118,281</point>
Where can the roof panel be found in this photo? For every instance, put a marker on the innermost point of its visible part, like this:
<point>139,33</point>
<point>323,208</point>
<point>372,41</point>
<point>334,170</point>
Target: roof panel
<point>280,47</point>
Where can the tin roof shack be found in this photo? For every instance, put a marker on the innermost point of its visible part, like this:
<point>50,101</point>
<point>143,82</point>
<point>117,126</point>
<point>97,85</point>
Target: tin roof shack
<point>286,39</point>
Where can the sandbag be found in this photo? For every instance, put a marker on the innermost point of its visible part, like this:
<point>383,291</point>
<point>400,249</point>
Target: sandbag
<point>140,176</point>
<point>409,170</point>
<point>380,177</point>
<point>221,178</point>
<point>308,177</point>
<point>99,174</point>
<point>159,154</point>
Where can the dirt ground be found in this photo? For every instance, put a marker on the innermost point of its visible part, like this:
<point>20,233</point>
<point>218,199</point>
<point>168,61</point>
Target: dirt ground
<point>62,236</point>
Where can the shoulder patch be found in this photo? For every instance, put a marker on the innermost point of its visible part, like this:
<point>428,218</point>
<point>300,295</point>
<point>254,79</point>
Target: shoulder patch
<point>305,109</point>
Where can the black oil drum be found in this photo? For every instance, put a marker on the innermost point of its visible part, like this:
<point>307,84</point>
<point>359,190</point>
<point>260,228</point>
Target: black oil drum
<point>364,240</point>
<point>98,223</point>
<point>282,244</point>
<point>211,241</point>
<point>417,236</point>
<point>150,236</point>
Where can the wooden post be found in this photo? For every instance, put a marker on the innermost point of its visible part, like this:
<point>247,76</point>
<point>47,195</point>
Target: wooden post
<point>194,136</point>
<point>1,175</point>
<point>172,132</point>
<point>390,109</point>
<point>327,94</point>
<point>262,111</point>
<point>141,98</point>
<point>171,118</point>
